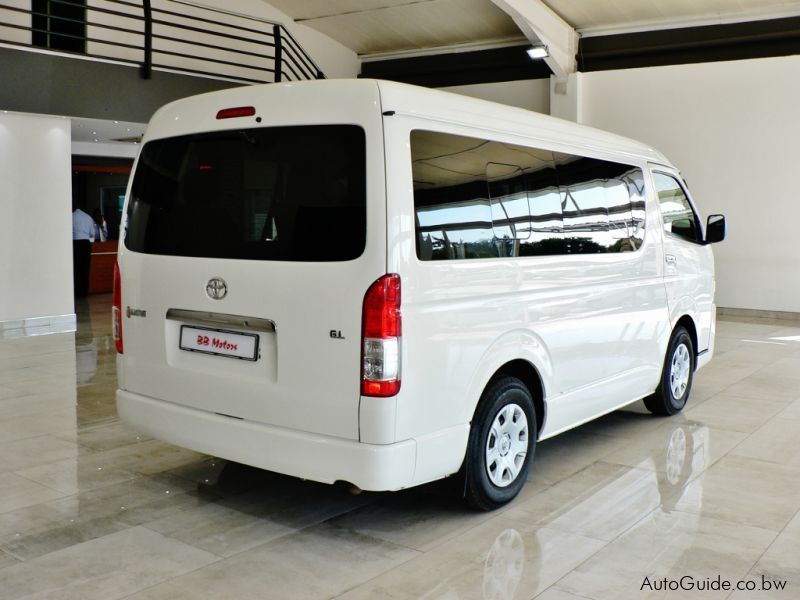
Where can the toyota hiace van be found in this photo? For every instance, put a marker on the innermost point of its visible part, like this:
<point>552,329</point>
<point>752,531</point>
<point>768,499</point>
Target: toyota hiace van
<point>384,285</point>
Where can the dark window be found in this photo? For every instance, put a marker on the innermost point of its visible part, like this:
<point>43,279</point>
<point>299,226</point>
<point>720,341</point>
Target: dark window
<point>476,198</point>
<point>480,199</point>
<point>59,24</point>
<point>547,223</point>
<point>453,213</point>
<point>597,198</point>
<point>676,210</point>
<point>279,193</point>
<point>511,217</point>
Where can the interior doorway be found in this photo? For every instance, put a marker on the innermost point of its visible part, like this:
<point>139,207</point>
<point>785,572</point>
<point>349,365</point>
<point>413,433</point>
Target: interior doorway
<point>98,189</point>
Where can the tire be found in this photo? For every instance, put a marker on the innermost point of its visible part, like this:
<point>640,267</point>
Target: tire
<point>504,426</point>
<point>676,378</point>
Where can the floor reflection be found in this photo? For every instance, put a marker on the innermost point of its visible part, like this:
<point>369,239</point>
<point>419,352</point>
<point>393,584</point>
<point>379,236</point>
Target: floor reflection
<point>708,492</point>
<point>595,505</point>
<point>502,570</point>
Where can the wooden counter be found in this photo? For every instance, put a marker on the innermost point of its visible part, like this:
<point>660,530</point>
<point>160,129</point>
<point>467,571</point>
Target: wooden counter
<point>101,272</point>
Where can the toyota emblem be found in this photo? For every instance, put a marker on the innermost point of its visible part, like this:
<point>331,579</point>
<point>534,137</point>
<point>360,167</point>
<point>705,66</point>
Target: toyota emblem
<point>216,288</point>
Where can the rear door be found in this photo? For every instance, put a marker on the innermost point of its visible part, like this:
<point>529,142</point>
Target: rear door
<point>247,254</point>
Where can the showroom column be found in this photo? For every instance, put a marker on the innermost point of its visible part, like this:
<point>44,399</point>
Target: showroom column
<point>566,97</point>
<point>35,225</point>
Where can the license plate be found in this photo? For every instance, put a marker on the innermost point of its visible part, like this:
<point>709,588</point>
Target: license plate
<point>219,342</point>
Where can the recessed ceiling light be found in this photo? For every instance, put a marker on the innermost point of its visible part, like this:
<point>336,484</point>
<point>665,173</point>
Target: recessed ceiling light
<point>538,52</point>
<point>117,122</point>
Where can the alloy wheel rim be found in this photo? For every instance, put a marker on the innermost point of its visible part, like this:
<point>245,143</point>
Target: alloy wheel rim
<point>507,445</point>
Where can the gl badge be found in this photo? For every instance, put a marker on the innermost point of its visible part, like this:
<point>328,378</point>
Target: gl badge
<point>216,288</point>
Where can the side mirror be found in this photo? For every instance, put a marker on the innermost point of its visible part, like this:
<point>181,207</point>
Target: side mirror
<point>715,229</point>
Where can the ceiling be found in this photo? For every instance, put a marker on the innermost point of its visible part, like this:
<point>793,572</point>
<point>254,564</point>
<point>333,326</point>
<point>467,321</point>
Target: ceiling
<point>102,131</point>
<point>376,28</point>
<point>372,27</point>
<point>586,15</point>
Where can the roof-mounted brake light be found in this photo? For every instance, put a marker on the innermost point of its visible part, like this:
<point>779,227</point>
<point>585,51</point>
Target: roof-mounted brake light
<point>239,111</point>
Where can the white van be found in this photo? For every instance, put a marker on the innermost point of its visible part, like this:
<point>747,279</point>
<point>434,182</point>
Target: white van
<point>384,285</point>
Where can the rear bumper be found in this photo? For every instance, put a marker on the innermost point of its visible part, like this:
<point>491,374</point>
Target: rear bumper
<point>300,454</point>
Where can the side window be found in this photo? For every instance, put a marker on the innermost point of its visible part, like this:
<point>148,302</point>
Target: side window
<point>511,218</point>
<point>602,205</point>
<point>634,181</point>
<point>677,212</point>
<point>547,223</point>
<point>451,198</point>
<point>476,198</point>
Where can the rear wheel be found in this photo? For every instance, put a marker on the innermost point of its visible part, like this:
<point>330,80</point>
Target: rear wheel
<point>501,444</point>
<point>676,379</point>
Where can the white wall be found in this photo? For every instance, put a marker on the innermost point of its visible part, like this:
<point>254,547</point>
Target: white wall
<point>532,94</point>
<point>110,149</point>
<point>335,60</point>
<point>12,17</point>
<point>35,217</point>
<point>733,128</point>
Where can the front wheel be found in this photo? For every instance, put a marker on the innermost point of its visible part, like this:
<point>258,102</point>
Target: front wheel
<point>501,444</point>
<point>676,379</point>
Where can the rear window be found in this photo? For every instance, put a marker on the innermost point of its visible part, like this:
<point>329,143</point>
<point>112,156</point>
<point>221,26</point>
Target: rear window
<point>274,193</point>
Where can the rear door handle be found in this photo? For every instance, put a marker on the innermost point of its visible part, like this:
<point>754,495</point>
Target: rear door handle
<point>670,259</point>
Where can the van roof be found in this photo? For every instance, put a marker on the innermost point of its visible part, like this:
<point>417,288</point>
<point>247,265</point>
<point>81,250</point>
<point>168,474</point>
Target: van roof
<point>450,107</point>
<point>421,102</point>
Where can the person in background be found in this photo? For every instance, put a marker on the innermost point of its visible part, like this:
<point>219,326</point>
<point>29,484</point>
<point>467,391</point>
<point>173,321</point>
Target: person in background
<point>82,237</point>
<point>100,226</point>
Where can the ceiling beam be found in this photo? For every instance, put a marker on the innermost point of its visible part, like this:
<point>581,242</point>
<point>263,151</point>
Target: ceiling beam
<point>542,26</point>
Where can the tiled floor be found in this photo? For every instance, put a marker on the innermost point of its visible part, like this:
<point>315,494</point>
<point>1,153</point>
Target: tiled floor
<point>89,509</point>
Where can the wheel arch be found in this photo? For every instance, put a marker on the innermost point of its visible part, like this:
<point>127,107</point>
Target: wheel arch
<point>529,376</point>
<point>521,354</point>
<point>687,322</point>
<point>480,469</point>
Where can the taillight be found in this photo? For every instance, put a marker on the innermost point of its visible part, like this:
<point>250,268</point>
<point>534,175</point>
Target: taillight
<point>116,310</point>
<point>380,338</point>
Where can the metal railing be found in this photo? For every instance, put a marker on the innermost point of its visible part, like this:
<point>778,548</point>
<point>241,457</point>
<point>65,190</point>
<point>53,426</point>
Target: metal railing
<point>172,35</point>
